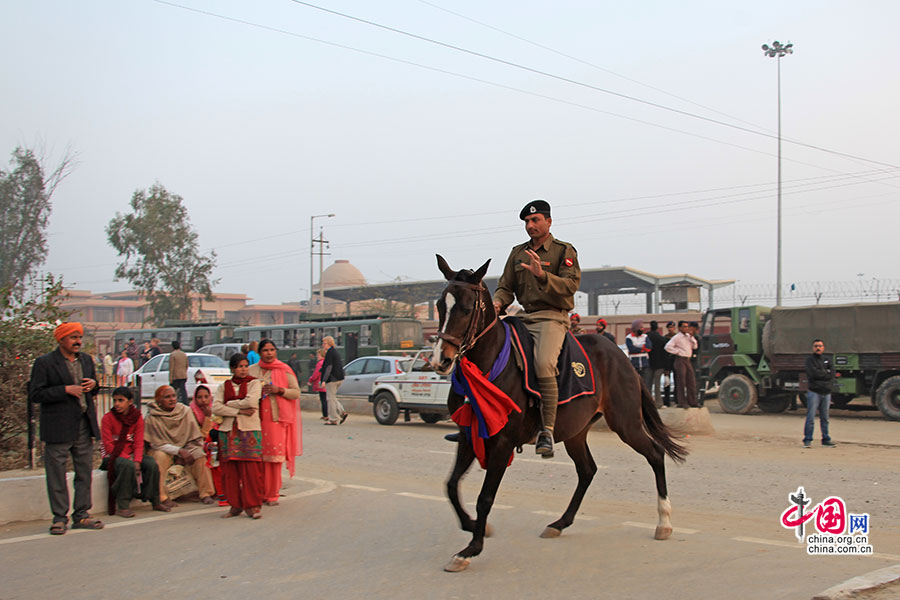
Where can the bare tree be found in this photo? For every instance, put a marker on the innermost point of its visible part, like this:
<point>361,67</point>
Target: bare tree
<point>25,192</point>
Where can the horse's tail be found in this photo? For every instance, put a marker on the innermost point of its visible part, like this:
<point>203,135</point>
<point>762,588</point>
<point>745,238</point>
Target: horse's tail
<point>657,429</point>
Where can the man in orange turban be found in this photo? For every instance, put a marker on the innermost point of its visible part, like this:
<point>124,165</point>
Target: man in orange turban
<point>64,383</point>
<point>64,330</point>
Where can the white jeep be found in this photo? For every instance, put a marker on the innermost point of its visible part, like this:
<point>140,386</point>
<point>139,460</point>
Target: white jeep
<point>418,390</point>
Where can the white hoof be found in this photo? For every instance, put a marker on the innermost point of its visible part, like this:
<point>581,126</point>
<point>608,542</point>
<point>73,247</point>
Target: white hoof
<point>457,564</point>
<point>662,533</point>
<point>488,530</point>
<point>551,532</point>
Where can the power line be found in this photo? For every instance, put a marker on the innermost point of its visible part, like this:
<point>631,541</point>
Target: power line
<point>588,63</point>
<point>574,81</point>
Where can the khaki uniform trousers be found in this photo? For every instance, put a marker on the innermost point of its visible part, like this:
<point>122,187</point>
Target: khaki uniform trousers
<point>200,472</point>
<point>548,330</point>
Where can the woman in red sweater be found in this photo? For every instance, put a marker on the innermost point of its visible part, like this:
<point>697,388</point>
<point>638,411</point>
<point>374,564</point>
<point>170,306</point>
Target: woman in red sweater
<point>122,431</point>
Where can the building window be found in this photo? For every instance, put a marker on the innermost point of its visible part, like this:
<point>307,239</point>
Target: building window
<point>232,316</point>
<point>104,315</point>
<point>133,315</point>
<point>208,315</point>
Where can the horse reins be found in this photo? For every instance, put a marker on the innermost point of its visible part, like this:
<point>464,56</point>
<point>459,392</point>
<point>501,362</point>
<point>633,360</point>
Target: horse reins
<point>470,336</point>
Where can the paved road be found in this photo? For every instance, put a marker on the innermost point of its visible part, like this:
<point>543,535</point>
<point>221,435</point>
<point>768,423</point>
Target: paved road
<point>367,518</point>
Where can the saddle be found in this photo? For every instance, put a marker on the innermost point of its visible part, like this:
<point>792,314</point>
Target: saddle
<point>576,375</point>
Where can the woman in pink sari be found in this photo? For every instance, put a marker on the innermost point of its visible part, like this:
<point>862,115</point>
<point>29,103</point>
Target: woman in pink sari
<point>279,411</point>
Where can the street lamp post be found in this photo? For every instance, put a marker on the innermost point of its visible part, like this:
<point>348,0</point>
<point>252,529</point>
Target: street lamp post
<point>776,51</point>
<point>312,247</point>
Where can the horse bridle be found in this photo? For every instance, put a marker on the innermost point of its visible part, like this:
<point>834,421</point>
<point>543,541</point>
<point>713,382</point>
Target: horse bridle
<point>471,334</point>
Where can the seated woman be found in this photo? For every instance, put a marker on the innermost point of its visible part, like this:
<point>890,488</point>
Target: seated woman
<point>122,433</point>
<point>201,406</point>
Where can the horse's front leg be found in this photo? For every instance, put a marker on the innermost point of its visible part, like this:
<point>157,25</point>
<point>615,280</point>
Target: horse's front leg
<point>586,468</point>
<point>464,457</point>
<point>498,459</point>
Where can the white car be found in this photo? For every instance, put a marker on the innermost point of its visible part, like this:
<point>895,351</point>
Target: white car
<point>202,368</point>
<point>360,374</point>
<point>417,389</point>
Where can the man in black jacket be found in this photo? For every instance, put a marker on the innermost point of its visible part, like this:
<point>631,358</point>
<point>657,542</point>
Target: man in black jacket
<point>820,374</point>
<point>333,377</point>
<point>658,357</point>
<point>64,383</point>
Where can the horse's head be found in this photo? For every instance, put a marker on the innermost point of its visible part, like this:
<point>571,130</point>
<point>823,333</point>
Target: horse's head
<point>462,308</point>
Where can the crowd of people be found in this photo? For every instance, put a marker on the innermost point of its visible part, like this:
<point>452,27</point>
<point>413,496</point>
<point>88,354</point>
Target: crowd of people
<point>230,445</point>
<point>666,362</point>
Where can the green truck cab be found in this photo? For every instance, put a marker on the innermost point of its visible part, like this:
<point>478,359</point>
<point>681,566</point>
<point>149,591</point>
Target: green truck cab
<point>756,354</point>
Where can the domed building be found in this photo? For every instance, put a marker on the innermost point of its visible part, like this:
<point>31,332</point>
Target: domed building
<point>340,274</point>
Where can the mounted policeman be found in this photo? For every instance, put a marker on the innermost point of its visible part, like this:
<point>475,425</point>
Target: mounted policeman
<point>543,275</point>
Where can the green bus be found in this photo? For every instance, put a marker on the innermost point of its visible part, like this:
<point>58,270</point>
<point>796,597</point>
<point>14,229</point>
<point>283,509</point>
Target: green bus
<point>354,336</point>
<point>191,335</point>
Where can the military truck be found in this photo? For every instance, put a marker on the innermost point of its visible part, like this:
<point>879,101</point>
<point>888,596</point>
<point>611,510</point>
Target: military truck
<point>756,354</point>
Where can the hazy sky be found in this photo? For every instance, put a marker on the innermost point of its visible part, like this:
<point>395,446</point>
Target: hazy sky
<point>259,129</point>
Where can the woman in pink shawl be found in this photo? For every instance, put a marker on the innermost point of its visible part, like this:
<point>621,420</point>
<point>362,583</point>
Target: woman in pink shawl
<point>279,411</point>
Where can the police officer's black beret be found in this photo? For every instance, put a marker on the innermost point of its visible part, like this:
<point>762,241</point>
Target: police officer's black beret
<point>535,207</point>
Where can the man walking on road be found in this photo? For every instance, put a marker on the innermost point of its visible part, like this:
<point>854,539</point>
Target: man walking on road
<point>682,346</point>
<point>820,373</point>
<point>64,383</point>
<point>178,371</point>
<point>543,275</point>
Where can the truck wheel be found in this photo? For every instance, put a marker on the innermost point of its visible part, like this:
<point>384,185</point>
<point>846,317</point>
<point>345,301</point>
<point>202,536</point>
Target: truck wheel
<point>430,417</point>
<point>777,403</point>
<point>737,394</point>
<point>887,398</point>
<point>385,408</point>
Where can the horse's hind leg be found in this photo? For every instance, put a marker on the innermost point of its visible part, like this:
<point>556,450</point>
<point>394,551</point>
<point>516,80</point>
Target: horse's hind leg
<point>464,457</point>
<point>637,438</point>
<point>586,468</point>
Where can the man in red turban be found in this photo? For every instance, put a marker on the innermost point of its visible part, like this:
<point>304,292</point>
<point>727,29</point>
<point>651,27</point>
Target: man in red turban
<point>64,383</point>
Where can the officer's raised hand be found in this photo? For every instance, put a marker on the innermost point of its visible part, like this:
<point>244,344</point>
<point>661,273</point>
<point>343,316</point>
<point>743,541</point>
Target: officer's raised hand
<point>534,267</point>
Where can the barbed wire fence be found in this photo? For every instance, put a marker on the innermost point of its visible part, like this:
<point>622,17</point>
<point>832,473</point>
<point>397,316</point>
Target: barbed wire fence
<point>803,293</point>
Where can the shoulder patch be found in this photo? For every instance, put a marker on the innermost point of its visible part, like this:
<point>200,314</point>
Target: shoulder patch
<point>569,262</point>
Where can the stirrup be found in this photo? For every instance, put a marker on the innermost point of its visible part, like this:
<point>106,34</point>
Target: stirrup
<point>544,445</point>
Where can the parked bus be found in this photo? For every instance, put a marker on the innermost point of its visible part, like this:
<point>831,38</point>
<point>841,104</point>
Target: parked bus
<point>192,336</point>
<point>353,336</point>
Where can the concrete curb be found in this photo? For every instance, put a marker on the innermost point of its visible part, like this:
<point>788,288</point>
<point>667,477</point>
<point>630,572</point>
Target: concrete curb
<point>25,498</point>
<point>864,583</point>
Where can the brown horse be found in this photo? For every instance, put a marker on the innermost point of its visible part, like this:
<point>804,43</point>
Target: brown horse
<point>468,326</point>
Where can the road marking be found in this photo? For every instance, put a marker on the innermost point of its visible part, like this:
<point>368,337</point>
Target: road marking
<point>442,499</point>
<point>547,513</point>
<point>651,526</point>
<point>364,488</point>
<point>753,540</point>
<point>540,461</point>
<point>321,486</point>
<point>420,496</point>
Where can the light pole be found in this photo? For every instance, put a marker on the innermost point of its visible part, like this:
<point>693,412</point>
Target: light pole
<point>312,247</point>
<point>776,51</point>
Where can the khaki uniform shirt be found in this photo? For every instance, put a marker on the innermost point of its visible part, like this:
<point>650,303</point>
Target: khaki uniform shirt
<point>562,275</point>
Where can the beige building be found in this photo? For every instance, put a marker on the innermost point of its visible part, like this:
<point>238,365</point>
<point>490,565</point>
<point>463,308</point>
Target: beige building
<point>102,314</point>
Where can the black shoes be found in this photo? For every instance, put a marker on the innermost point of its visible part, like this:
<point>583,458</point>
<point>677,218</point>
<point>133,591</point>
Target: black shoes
<point>452,437</point>
<point>829,444</point>
<point>544,445</point>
